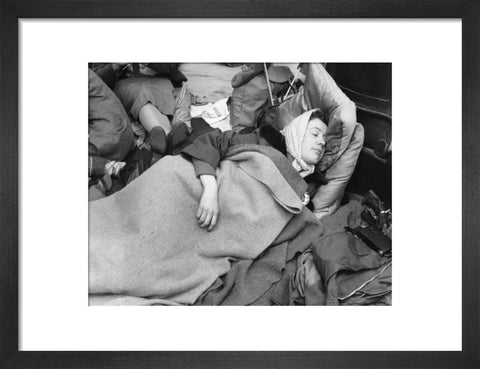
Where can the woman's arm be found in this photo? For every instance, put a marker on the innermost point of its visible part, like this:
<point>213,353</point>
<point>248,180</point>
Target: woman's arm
<point>210,148</point>
<point>207,213</point>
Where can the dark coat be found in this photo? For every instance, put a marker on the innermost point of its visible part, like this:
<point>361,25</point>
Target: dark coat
<point>207,146</point>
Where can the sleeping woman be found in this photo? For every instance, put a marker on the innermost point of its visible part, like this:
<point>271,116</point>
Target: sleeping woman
<point>302,141</point>
<point>145,243</point>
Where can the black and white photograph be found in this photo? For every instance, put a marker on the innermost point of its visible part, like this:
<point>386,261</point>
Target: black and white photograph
<point>238,208</point>
<point>240,184</point>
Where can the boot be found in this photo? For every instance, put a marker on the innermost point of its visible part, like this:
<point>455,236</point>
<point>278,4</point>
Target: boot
<point>158,141</point>
<point>178,138</point>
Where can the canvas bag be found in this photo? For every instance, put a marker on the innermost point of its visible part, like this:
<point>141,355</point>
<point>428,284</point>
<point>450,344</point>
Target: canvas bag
<point>249,100</point>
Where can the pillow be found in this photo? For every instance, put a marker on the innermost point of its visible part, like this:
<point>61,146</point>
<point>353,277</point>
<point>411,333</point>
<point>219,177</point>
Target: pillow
<point>339,111</point>
<point>327,199</point>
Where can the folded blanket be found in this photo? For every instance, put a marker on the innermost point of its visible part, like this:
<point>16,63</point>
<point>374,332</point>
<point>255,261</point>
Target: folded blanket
<point>145,241</point>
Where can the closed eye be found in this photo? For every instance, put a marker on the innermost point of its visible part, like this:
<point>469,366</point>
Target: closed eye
<point>315,131</point>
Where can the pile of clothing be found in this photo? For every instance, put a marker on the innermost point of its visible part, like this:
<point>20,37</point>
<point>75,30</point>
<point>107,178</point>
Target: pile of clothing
<point>338,269</point>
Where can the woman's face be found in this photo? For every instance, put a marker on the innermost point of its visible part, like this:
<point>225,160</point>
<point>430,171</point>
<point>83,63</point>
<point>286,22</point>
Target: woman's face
<point>313,146</point>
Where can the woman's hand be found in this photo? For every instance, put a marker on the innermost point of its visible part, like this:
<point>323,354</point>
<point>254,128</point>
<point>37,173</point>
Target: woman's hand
<point>207,213</point>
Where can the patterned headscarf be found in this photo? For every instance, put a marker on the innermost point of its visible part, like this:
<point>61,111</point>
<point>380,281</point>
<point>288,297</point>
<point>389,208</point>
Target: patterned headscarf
<point>294,134</point>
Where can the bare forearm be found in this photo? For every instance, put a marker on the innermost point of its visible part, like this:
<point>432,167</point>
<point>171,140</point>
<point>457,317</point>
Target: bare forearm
<point>208,181</point>
<point>207,213</point>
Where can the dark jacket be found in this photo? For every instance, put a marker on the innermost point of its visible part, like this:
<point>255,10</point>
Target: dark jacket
<point>207,146</point>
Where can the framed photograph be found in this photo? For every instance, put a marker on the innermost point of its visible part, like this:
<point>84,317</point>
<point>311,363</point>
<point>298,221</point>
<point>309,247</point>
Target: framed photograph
<point>80,282</point>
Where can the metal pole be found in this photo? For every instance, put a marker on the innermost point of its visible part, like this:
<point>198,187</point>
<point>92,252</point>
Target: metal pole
<point>268,83</point>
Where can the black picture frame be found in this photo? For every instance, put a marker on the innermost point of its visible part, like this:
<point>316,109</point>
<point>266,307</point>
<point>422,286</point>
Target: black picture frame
<point>12,10</point>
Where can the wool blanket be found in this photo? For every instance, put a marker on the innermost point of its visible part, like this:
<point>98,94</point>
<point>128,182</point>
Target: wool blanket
<point>146,248</point>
